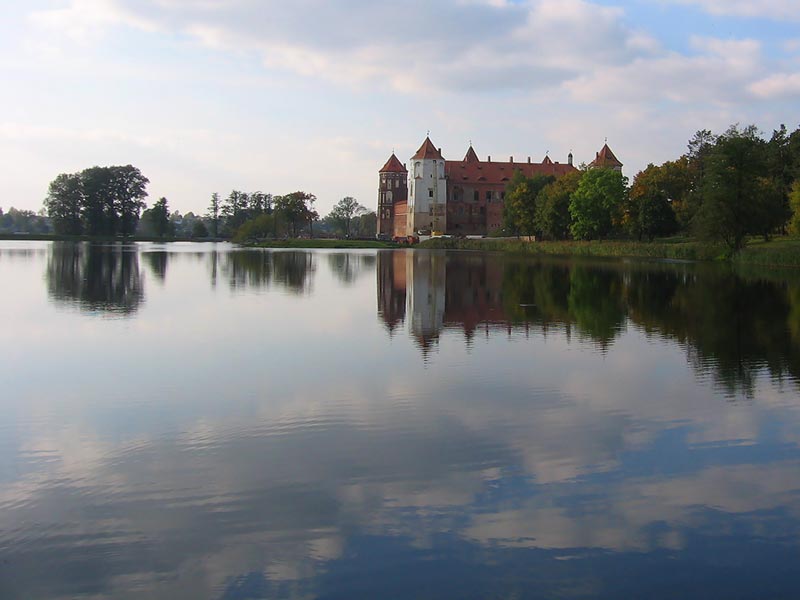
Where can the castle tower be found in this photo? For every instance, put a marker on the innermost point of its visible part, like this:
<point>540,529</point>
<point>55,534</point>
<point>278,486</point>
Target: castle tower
<point>605,159</point>
<point>392,194</point>
<point>427,190</point>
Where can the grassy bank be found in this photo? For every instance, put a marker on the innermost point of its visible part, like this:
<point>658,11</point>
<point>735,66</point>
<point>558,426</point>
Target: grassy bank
<point>321,243</point>
<point>779,252</point>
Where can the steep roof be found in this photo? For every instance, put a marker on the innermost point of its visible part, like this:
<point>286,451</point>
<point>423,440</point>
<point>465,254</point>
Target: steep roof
<point>427,150</point>
<point>393,165</point>
<point>498,173</point>
<point>547,160</point>
<point>471,156</point>
<point>606,158</point>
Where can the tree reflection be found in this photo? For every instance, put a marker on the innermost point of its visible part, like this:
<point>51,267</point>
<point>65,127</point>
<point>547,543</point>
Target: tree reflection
<point>157,261</point>
<point>292,271</point>
<point>349,266</point>
<point>95,277</point>
<point>732,326</point>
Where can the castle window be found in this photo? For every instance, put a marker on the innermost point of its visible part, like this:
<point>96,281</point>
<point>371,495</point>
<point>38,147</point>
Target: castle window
<point>475,196</point>
<point>430,192</point>
<point>489,196</point>
<point>502,195</point>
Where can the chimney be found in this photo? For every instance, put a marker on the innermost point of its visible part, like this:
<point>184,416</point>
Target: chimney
<point>440,150</point>
<point>569,159</point>
<point>511,159</point>
<point>488,159</point>
<point>529,160</point>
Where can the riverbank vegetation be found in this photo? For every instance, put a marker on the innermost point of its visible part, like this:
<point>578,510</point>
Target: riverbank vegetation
<point>725,190</point>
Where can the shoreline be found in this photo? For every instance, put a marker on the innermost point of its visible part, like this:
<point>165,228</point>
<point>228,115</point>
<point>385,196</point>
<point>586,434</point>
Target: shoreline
<point>780,252</point>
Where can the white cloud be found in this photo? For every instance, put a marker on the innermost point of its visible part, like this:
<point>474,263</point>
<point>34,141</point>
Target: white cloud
<point>777,86</point>
<point>716,74</point>
<point>763,9</point>
<point>476,46</point>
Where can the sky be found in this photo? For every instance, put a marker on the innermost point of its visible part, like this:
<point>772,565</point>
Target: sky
<point>212,95</point>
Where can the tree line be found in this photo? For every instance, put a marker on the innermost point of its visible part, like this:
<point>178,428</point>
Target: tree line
<point>726,187</point>
<point>109,201</point>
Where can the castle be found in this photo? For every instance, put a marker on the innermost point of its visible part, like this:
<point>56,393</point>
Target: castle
<point>457,197</point>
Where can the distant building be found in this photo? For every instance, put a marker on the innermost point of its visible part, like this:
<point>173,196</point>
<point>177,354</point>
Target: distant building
<point>456,196</point>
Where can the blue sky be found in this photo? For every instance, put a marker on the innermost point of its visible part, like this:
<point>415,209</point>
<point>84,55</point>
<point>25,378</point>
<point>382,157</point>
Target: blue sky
<point>212,95</point>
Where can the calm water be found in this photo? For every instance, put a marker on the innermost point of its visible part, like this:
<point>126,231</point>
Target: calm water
<point>195,421</point>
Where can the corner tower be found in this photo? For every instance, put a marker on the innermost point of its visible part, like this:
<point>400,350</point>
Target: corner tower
<point>427,190</point>
<point>605,159</point>
<point>392,196</point>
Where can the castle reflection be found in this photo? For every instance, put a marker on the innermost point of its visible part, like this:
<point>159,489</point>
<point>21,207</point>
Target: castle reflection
<point>732,325</point>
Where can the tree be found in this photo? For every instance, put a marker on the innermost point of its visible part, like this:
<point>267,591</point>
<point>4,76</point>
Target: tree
<point>648,211</point>
<point>158,218</point>
<point>103,200</point>
<point>595,207</point>
<point>199,229</point>
<point>213,214</point>
<point>295,209</point>
<point>794,201</point>
<point>344,211</point>
<point>738,197</point>
<point>234,210</point>
<point>519,209</point>
<point>64,203</point>
<point>700,147</point>
<point>129,189</point>
<point>552,206</point>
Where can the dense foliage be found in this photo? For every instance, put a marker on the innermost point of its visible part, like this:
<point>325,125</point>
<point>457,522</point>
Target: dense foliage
<point>726,188</point>
<point>99,201</point>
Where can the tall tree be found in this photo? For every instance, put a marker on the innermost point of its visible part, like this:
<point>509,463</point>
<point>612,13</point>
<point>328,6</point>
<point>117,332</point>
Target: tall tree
<point>739,199</point>
<point>129,189</point>
<point>64,204</point>
<point>158,218</point>
<point>296,210</point>
<point>344,211</point>
<point>213,214</point>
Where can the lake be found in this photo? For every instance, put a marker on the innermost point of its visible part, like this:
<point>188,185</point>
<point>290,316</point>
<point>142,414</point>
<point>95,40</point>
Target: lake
<point>186,421</point>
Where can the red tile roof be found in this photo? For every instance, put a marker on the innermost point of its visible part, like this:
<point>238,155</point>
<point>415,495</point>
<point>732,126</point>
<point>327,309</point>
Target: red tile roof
<point>393,165</point>
<point>471,156</point>
<point>498,173</point>
<point>606,158</point>
<point>547,160</point>
<point>427,150</point>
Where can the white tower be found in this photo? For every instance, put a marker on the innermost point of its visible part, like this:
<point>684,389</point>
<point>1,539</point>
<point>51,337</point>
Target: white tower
<point>427,190</point>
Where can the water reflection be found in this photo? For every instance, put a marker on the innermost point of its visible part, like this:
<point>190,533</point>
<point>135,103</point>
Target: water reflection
<point>733,327</point>
<point>157,261</point>
<point>254,269</point>
<point>95,277</point>
<point>556,444</point>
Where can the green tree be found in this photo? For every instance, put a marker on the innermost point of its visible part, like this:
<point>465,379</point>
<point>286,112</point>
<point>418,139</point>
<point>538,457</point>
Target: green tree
<point>158,219</point>
<point>596,206</point>
<point>343,212</point>
<point>199,229</point>
<point>738,197</point>
<point>213,214</point>
<point>64,204</point>
<point>295,209</point>
<point>552,206</point>
<point>648,211</point>
<point>519,208</point>
<point>794,201</point>
<point>129,189</point>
